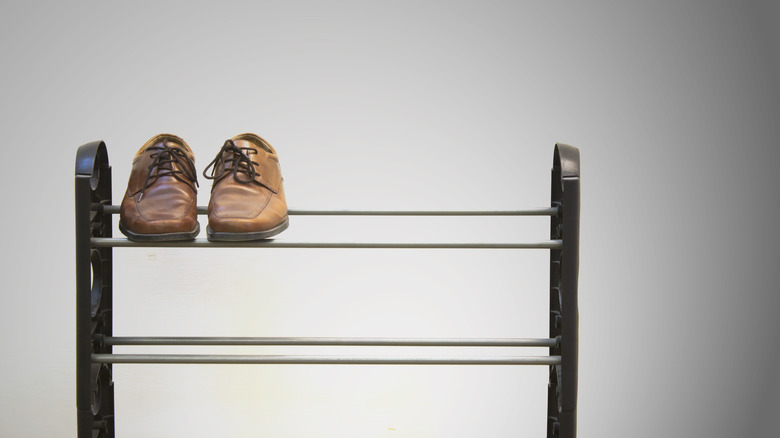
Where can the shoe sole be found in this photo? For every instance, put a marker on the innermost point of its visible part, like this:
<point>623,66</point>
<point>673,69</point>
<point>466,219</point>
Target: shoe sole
<point>217,236</point>
<point>162,237</point>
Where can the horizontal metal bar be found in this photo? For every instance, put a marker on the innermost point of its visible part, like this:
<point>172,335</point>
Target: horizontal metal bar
<point>545,211</point>
<point>333,360</point>
<point>103,242</point>
<point>376,342</point>
<point>549,211</point>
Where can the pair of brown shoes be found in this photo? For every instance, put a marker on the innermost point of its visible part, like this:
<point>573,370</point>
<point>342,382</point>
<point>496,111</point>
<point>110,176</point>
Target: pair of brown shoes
<point>247,197</point>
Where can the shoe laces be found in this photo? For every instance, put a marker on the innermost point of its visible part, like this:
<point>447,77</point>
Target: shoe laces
<point>163,159</point>
<point>233,159</point>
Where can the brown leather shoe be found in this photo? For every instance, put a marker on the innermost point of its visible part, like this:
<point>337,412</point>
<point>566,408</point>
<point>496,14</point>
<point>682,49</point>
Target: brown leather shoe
<point>161,198</point>
<point>247,197</point>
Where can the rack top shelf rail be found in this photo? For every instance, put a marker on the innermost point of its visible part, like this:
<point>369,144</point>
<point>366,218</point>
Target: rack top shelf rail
<point>95,340</point>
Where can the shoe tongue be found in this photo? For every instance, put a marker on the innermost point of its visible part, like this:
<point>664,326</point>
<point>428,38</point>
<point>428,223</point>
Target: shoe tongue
<point>267,170</point>
<point>172,144</point>
<point>248,144</point>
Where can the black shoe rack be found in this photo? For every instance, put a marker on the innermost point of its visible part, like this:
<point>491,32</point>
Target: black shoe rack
<point>95,339</point>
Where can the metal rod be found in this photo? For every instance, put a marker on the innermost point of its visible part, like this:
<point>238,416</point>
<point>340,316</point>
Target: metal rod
<point>334,360</point>
<point>545,211</point>
<point>378,342</point>
<point>102,242</point>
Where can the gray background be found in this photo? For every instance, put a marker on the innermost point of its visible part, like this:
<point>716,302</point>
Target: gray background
<point>404,105</point>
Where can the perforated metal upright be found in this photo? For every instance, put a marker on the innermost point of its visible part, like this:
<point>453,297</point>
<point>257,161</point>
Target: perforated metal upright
<point>94,337</point>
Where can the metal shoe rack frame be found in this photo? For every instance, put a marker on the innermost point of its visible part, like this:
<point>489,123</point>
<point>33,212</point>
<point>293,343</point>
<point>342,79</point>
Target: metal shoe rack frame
<point>94,342</point>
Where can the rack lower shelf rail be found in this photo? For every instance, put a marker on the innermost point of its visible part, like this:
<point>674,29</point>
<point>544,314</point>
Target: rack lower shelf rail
<point>95,340</point>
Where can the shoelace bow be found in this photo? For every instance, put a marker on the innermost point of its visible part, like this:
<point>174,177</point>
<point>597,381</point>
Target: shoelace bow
<point>162,162</point>
<point>237,162</point>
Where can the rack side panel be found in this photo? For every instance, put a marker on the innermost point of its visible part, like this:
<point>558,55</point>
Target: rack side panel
<point>564,308</point>
<point>94,385</point>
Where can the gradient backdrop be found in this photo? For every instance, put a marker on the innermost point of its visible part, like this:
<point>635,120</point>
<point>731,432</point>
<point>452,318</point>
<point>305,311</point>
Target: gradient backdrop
<point>409,105</point>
